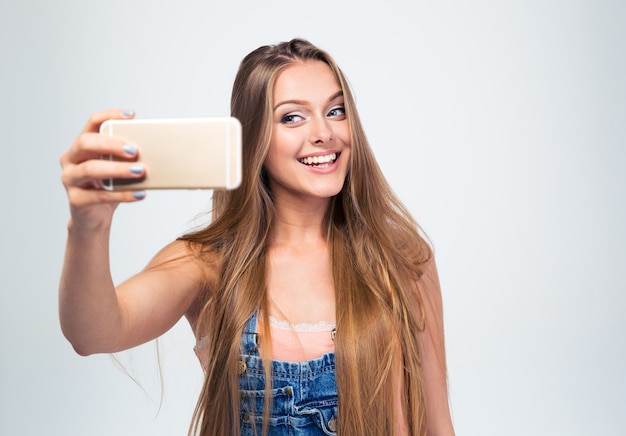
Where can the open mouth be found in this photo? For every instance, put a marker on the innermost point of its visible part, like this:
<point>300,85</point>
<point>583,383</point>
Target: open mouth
<point>319,161</point>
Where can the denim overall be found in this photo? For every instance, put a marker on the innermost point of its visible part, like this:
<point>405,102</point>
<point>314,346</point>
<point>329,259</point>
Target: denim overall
<point>304,393</point>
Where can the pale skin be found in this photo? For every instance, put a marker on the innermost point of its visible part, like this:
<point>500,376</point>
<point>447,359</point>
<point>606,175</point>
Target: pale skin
<point>308,122</point>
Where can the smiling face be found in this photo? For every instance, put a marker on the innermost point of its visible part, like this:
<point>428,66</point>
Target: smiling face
<point>310,143</point>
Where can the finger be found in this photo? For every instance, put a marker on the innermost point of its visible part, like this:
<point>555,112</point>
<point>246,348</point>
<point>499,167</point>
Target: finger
<point>81,198</point>
<point>93,146</point>
<point>97,118</point>
<point>89,173</point>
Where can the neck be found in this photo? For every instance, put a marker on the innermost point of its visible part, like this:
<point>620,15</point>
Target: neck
<point>299,221</point>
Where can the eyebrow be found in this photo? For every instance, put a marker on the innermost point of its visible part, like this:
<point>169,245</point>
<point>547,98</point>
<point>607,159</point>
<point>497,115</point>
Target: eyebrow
<point>303,102</point>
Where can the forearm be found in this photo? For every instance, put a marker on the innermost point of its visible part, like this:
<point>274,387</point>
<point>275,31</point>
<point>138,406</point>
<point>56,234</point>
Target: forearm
<point>88,306</point>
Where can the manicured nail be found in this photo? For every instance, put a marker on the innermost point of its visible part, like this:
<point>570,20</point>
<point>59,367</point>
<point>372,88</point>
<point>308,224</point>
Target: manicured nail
<point>139,195</point>
<point>128,113</point>
<point>136,169</point>
<point>129,149</point>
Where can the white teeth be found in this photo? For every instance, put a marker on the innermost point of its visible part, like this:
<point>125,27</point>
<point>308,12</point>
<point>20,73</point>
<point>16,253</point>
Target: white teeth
<point>315,160</point>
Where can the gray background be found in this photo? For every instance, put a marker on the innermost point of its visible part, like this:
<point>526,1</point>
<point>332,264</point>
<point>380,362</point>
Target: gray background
<point>501,125</point>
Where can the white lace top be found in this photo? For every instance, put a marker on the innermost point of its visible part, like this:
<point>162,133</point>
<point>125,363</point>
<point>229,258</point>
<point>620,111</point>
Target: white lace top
<point>302,341</point>
<point>291,342</point>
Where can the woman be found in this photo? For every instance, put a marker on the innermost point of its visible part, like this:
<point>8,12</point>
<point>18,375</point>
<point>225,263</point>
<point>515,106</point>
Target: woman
<point>314,299</point>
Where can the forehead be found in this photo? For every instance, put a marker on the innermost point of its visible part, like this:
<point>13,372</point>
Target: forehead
<point>305,80</point>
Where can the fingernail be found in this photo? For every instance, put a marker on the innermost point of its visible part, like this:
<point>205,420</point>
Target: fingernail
<point>129,149</point>
<point>136,169</point>
<point>127,113</point>
<point>139,195</point>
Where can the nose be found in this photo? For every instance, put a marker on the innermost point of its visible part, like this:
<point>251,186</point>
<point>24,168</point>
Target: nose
<point>321,132</point>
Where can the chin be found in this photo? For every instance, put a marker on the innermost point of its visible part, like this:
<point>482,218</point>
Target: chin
<point>329,193</point>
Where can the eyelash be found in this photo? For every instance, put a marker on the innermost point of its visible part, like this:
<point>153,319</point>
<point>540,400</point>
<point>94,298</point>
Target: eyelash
<point>338,108</point>
<point>289,118</point>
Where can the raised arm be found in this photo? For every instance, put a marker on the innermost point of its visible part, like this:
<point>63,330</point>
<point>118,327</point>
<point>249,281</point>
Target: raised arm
<point>95,316</point>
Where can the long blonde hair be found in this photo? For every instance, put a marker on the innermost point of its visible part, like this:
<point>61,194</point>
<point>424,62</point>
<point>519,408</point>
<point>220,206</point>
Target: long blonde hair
<point>377,253</point>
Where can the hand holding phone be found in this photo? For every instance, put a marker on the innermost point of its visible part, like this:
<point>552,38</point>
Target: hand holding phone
<point>186,153</point>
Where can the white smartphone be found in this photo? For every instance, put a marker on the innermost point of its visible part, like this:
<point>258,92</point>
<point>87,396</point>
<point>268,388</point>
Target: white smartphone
<point>185,153</point>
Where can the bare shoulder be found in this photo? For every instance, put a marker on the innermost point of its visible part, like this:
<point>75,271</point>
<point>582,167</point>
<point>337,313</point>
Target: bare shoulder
<point>431,343</point>
<point>178,276</point>
<point>430,275</point>
<point>168,288</point>
<point>184,256</point>
<point>192,267</point>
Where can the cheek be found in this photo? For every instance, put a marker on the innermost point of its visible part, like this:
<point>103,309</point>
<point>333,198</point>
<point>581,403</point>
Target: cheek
<point>279,153</point>
<point>284,142</point>
<point>343,133</point>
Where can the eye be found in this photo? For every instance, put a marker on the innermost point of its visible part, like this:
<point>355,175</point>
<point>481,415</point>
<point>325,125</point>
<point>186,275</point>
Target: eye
<point>290,119</point>
<point>337,112</point>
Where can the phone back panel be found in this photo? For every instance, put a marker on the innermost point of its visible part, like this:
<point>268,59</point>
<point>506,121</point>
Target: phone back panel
<point>195,153</point>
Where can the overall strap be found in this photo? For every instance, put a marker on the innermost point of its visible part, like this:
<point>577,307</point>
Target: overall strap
<point>249,341</point>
